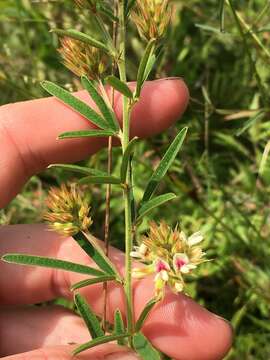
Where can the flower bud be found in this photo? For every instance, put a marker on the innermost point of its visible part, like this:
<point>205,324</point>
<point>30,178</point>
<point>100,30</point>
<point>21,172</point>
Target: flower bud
<point>68,211</point>
<point>151,18</point>
<point>82,59</point>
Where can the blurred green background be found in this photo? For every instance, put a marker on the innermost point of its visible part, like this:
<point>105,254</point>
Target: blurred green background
<point>221,177</point>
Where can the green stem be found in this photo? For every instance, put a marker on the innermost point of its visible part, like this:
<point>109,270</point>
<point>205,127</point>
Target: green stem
<point>127,190</point>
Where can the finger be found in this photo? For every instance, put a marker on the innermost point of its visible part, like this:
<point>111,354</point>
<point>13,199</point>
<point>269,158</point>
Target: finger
<point>28,130</point>
<point>179,327</point>
<point>104,352</point>
<point>26,328</point>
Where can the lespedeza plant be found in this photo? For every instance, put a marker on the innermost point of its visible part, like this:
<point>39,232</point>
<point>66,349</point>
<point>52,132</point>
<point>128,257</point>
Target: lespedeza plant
<point>165,251</point>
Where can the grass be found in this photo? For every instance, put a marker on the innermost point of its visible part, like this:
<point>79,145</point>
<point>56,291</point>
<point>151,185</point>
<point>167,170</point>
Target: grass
<point>223,175</point>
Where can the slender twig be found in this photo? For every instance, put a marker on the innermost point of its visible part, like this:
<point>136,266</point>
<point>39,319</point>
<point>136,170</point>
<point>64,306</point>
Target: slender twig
<point>261,15</point>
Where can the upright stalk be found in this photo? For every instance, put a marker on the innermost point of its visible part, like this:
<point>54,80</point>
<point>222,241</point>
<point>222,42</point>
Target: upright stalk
<point>109,170</point>
<point>127,189</point>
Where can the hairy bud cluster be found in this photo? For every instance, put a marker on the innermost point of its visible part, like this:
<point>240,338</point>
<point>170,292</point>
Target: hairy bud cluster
<point>68,211</point>
<point>151,18</point>
<point>82,59</point>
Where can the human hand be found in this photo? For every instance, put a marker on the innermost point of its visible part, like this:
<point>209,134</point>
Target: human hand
<point>179,327</point>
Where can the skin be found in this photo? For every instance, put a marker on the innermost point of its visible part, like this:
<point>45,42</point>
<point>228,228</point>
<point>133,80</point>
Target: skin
<point>28,131</point>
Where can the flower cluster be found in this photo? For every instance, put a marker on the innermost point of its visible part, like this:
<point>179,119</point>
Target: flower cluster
<point>68,211</point>
<point>151,18</point>
<point>82,59</point>
<point>169,254</point>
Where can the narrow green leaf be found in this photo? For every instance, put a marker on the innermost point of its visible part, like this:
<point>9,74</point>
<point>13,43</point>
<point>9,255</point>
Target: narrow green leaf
<point>164,164</point>
<point>89,317</point>
<point>230,141</point>
<point>92,281</point>
<point>79,169</point>
<point>264,159</point>
<point>119,85</point>
<point>250,122</point>
<point>102,30</point>
<point>32,260</point>
<point>99,341</point>
<point>153,203</point>
<point>78,35</point>
<point>85,133</point>
<point>221,14</point>
<point>208,28</point>
<point>105,10</point>
<point>144,64</point>
<point>126,158</point>
<point>144,348</point>
<point>119,326</point>
<point>89,244</point>
<point>149,66</point>
<point>105,110</point>
<point>76,104</point>
<point>144,314</point>
<point>100,180</point>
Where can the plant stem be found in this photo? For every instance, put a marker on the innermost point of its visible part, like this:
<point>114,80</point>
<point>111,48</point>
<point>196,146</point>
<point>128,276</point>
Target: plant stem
<point>127,190</point>
<point>108,187</point>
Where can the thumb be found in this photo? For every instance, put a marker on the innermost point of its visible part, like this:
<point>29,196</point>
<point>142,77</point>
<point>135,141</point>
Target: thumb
<point>104,352</point>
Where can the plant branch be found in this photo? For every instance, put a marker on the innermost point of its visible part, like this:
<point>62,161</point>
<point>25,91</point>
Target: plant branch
<point>108,187</point>
<point>127,189</point>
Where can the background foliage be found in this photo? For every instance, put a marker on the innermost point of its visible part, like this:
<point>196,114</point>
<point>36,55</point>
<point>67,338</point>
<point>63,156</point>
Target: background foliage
<point>222,176</point>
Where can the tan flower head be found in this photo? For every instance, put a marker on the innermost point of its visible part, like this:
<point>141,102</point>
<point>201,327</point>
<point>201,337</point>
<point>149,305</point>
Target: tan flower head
<point>82,59</point>
<point>68,211</point>
<point>151,17</point>
<point>170,255</point>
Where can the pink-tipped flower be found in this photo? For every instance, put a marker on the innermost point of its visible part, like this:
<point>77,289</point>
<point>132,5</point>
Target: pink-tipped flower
<point>181,263</point>
<point>170,255</point>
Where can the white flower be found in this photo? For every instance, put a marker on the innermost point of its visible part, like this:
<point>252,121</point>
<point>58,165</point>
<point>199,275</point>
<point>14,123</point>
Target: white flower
<point>195,238</point>
<point>140,251</point>
<point>178,286</point>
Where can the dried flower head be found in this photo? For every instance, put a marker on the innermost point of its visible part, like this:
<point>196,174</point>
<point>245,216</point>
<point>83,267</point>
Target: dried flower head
<point>169,254</point>
<point>82,59</point>
<point>151,17</point>
<point>68,211</point>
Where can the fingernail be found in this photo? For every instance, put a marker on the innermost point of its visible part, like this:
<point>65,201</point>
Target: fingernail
<point>170,78</point>
<point>122,356</point>
<point>227,322</point>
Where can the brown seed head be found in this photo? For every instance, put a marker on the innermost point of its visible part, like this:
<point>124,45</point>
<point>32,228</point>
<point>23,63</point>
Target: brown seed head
<point>151,18</point>
<point>68,211</point>
<point>82,59</point>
